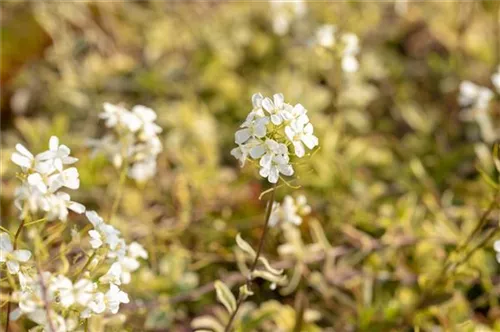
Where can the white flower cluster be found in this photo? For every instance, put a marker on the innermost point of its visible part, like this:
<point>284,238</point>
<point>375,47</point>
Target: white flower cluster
<point>290,211</point>
<point>269,131</point>
<point>473,96</point>
<point>54,301</point>
<point>475,101</point>
<point>123,258</point>
<point>134,139</point>
<point>69,301</point>
<point>326,36</point>
<point>284,13</point>
<point>43,175</point>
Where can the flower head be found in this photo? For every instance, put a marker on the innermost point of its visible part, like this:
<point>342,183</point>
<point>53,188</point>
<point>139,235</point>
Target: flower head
<point>12,258</point>
<point>268,134</point>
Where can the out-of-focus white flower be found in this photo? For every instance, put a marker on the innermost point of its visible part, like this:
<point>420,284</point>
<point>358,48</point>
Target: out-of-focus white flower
<point>12,258</point>
<point>102,232</point>
<point>136,250</point>
<point>134,140</point>
<point>290,211</point>
<point>495,79</point>
<point>351,49</point>
<point>59,204</point>
<point>143,170</point>
<point>325,35</point>
<point>474,100</point>
<point>147,117</point>
<point>284,13</point>
<point>496,247</point>
<point>474,96</point>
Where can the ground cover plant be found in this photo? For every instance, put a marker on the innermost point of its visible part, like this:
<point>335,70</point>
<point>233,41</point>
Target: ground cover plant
<point>240,166</point>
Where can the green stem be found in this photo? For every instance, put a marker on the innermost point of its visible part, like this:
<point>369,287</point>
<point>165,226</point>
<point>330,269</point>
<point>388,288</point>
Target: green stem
<point>116,202</point>
<point>16,237</point>
<point>241,299</point>
<point>86,264</point>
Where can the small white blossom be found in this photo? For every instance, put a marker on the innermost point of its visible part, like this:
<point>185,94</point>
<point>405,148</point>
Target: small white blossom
<point>12,258</point>
<point>284,13</point>
<point>290,211</point>
<point>474,96</point>
<point>351,49</point>
<point>114,297</point>
<point>102,232</point>
<point>495,79</point>
<point>134,140</point>
<point>325,35</point>
<point>57,155</point>
<point>300,134</point>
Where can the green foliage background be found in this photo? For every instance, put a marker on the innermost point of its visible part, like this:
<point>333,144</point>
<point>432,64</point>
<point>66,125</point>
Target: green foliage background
<point>394,185</point>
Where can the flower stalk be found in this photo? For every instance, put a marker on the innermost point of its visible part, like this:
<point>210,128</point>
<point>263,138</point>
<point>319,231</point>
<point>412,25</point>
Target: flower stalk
<point>249,281</point>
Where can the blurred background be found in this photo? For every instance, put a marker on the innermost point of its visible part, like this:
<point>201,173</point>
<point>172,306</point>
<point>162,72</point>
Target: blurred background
<point>395,184</point>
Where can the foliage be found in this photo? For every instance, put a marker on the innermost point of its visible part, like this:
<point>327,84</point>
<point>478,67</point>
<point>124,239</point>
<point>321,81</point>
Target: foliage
<point>403,188</point>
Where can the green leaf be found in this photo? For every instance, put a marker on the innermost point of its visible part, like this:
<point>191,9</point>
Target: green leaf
<point>269,268</point>
<point>280,280</point>
<point>206,323</point>
<point>243,245</point>
<point>225,296</point>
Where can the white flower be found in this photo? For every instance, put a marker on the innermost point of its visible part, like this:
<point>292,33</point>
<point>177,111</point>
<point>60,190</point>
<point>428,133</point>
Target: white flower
<point>325,35</point>
<point>22,157</point>
<point>68,178</point>
<point>290,211</point>
<point>351,49</point>
<point>275,216</point>
<point>37,181</point>
<point>147,117</point>
<point>303,208</point>
<point>113,276</point>
<point>97,305</point>
<point>114,297</point>
<point>495,79</point>
<point>57,155</point>
<point>13,258</point>
<point>277,108</point>
<point>299,134</point>
<point>58,205</point>
<point>102,232</point>
<point>25,159</point>
<point>474,96</point>
<point>284,12</point>
<point>136,250</point>
<point>112,114</point>
<point>134,140</point>
<point>275,161</point>
<point>256,128</point>
<point>143,170</point>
